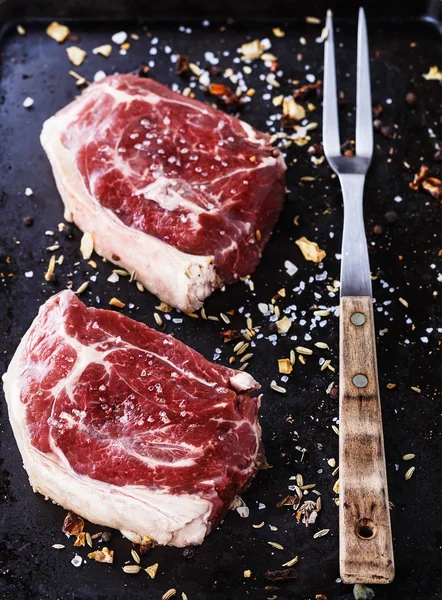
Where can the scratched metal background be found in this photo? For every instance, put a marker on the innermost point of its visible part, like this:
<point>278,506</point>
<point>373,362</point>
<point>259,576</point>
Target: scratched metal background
<point>36,66</point>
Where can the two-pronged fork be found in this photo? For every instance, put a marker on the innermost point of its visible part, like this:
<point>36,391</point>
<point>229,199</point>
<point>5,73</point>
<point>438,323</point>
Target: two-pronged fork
<point>366,550</point>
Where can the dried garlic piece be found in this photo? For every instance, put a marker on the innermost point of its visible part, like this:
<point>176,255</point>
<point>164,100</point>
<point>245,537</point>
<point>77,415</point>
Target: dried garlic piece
<point>252,50</point>
<point>104,50</point>
<point>76,55</point>
<point>292,109</point>
<point>57,31</point>
<point>283,324</point>
<point>310,250</point>
<point>433,74</point>
<point>104,556</point>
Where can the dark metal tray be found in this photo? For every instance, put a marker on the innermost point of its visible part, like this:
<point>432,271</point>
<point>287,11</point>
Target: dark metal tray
<point>405,259</point>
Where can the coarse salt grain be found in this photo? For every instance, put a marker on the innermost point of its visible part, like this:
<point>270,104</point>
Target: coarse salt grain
<point>119,38</point>
<point>28,102</point>
<point>290,267</point>
<point>99,75</point>
<point>29,274</point>
<point>28,191</point>
<point>77,560</point>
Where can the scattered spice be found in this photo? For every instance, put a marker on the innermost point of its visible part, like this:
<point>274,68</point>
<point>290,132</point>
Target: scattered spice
<point>321,533</point>
<point>28,221</point>
<point>281,574</point>
<point>285,366</point>
<point>303,91</point>
<point>310,250</point>
<point>104,555</point>
<point>408,456</point>
<point>132,569</point>
<point>291,111</point>
<point>409,473</point>
<point>433,74</point>
<point>73,524</point>
<point>224,94</point>
<point>152,570</point>
<point>362,592</point>
<point>87,245</point>
<point>276,545</point>
<point>104,50</point>
<point>57,31</point>
<point>252,50</point>
<point>76,55</point>
<point>115,302</point>
<point>168,594</point>
<point>283,325</point>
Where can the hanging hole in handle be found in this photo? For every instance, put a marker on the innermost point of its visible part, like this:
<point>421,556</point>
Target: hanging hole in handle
<point>365,529</point>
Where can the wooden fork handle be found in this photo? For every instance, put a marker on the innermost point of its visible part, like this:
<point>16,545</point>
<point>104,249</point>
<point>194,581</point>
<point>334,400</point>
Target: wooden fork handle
<point>366,548</point>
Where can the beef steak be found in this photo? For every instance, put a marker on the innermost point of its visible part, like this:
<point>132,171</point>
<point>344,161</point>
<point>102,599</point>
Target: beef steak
<point>169,187</point>
<point>129,427</point>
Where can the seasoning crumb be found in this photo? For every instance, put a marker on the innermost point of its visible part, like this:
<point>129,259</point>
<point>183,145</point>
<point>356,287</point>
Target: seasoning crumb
<point>247,573</point>
<point>283,325</point>
<point>115,302</point>
<point>28,221</point>
<point>104,555</point>
<point>51,268</point>
<point>76,55</point>
<point>278,388</point>
<point>362,592</point>
<point>409,473</point>
<point>57,32</point>
<point>119,38</point>
<point>132,569</point>
<point>408,456</point>
<point>87,245</point>
<point>28,102</point>
<point>82,287</point>
<point>104,50</point>
<point>285,366</point>
<point>321,533</point>
<point>152,570</point>
<point>310,250</point>
<point>276,545</point>
<point>391,386</point>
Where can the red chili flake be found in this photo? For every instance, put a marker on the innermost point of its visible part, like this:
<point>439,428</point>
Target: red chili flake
<point>231,334</point>
<point>419,177</point>
<point>182,64</point>
<point>73,524</point>
<point>306,89</point>
<point>433,186</point>
<point>288,501</point>
<point>281,574</point>
<point>377,110</point>
<point>225,94</point>
<point>274,67</point>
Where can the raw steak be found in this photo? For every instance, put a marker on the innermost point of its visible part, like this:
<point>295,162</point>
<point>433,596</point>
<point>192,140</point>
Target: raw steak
<point>129,427</point>
<point>169,187</point>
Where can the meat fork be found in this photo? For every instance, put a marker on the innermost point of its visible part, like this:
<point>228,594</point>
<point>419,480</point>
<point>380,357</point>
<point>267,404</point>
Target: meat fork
<point>366,549</point>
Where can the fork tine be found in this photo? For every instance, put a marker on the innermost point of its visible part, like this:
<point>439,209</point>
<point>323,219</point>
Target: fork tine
<point>364,119</point>
<point>330,126</point>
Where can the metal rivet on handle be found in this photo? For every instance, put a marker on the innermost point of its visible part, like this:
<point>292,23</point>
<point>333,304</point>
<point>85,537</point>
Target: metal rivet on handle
<point>360,380</point>
<point>357,318</point>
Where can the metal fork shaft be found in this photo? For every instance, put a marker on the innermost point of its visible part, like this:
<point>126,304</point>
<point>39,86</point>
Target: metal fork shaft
<point>355,266</point>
